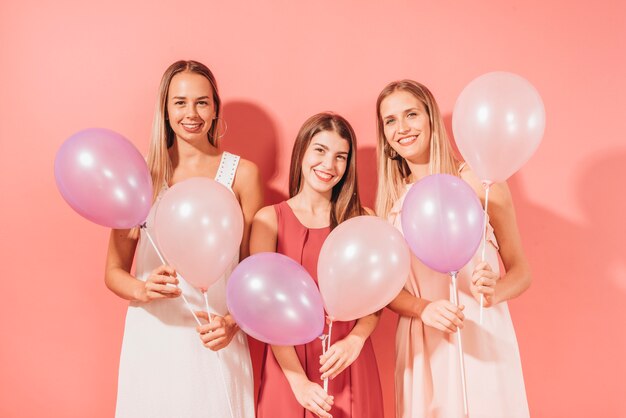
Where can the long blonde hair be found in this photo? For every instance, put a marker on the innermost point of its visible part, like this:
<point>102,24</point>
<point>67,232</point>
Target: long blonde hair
<point>345,201</point>
<point>393,170</point>
<point>162,134</point>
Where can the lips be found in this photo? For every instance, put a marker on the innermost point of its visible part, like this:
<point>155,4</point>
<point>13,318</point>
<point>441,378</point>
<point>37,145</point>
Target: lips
<point>192,127</point>
<point>323,176</point>
<point>407,140</point>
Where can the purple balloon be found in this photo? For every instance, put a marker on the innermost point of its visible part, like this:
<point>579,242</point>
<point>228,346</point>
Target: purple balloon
<point>275,300</point>
<point>442,221</point>
<point>104,178</point>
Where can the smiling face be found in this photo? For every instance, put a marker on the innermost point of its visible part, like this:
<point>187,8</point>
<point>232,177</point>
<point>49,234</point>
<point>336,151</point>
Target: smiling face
<point>325,161</point>
<point>406,126</point>
<point>190,106</point>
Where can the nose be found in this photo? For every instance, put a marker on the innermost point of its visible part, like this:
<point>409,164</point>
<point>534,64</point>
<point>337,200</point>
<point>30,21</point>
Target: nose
<point>191,110</point>
<point>402,126</point>
<point>327,161</point>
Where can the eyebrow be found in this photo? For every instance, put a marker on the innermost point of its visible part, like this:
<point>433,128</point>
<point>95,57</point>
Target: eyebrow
<point>404,111</point>
<point>183,97</point>
<point>326,148</point>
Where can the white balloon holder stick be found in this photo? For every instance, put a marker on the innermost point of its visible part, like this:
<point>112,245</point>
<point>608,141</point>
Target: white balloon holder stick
<point>326,347</point>
<point>163,262</point>
<point>482,256</point>
<point>455,300</point>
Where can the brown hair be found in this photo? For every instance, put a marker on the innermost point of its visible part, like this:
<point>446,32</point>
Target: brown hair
<point>345,201</point>
<point>393,169</point>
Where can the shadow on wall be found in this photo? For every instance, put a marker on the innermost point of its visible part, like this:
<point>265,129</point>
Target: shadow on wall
<point>569,317</point>
<point>366,172</point>
<point>252,134</point>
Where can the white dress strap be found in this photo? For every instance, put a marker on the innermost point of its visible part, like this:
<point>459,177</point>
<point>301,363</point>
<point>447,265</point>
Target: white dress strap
<point>227,169</point>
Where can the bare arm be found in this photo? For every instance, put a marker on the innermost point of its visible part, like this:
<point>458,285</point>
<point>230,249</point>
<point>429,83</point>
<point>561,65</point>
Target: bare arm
<point>517,277</point>
<point>440,314</point>
<point>309,394</point>
<point>249,191</point>
<point>161,283</point>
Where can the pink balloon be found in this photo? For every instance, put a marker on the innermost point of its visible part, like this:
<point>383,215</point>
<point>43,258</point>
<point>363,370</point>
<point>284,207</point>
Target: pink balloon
<point>198,226</point>
<point>103,177</point>
<point>275,300</point>
<point>498,123</point>
<point>442,220</point>
<point>363,265</point>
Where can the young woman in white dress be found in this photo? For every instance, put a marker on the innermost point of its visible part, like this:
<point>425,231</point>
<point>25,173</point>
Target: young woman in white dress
<point>165,369</point>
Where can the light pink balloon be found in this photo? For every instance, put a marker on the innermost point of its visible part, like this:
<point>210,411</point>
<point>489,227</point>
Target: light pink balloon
<point>198,226</point>
<point>498,123</point>
<point>104,178</point>
<point>363,265</point>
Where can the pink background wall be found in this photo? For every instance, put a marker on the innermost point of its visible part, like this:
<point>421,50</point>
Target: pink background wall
<point>69,65</point>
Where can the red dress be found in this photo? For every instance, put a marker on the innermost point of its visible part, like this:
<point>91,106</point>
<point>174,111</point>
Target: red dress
<point>356,390</point>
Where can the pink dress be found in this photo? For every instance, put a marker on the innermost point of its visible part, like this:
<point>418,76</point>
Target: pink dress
<point>428,382</point>
<point>357,389</point>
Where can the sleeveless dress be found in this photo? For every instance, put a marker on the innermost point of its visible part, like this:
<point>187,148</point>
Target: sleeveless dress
<point>428,380</point>
<point>357,389</point>
<point>165,371</point>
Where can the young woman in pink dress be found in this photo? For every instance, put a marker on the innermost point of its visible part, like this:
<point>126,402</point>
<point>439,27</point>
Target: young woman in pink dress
<point>412,143</point>
<point>323,193</point>
<point>165,369</point>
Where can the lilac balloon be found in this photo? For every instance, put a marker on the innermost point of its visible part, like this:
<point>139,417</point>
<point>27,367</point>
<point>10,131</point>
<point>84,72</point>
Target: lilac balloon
<point>104,178</point>
<point>275,300</point>
<point>442,221</point>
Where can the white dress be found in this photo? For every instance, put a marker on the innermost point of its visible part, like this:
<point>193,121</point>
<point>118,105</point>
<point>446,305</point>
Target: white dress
<point>165,371</point>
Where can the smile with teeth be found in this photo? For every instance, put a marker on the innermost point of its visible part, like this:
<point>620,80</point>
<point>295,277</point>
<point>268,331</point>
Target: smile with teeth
<point>325,177</point>
<point>407,140</point>
<point>192,126</point>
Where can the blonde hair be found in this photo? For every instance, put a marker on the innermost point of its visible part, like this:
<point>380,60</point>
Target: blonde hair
<point>393,170</point>
<point>162,134</point>
<point>345,201</point>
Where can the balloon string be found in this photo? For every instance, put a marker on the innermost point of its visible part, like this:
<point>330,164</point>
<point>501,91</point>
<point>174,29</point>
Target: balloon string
<point>145,229</point>
<point>455,300</point>
<point>482,257</point>
<point>326,343</point>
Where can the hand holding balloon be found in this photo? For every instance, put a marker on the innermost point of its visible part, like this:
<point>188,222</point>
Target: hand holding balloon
<point>218,333</point>
<point>341,355</point>
<point>161,284</point>
<point>443,315</point>
<point>483,282</point>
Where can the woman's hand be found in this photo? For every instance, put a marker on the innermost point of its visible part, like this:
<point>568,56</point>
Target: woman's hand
<point>340,355</point>
<point>443,315</point>
<point>161,284</point>
<point>313,398</point>
<point>219,332</point>
<point>484,283</point>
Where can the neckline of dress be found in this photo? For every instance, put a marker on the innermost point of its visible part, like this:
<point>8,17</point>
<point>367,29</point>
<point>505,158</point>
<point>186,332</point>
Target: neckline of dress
<point>300,222</point>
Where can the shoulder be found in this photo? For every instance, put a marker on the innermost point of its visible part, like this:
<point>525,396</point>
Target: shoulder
<point>247,169</point>
<point>499,193</point>
<point>248,176</point>
<point>368,211</point>
<point>266,215</point>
